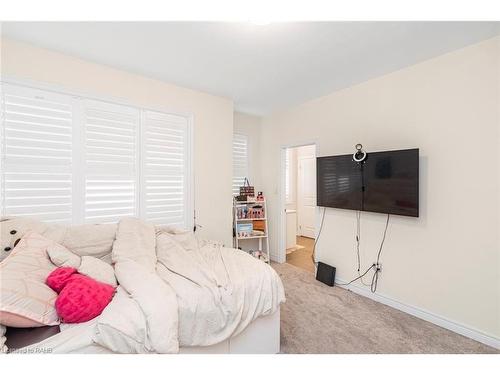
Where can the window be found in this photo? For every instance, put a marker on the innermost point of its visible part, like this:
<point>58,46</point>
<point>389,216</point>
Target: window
<point>110,161</point>
<point>36,171</point>
<point>164,165</point>
<point>69,159</point>
<point>240,161</point>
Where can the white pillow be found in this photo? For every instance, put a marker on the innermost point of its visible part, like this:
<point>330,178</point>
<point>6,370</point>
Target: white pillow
<point>98,270</point>
<point>25,299</point>
<point>86,265</point>
<point>62,257</point>
<point>186,238</point>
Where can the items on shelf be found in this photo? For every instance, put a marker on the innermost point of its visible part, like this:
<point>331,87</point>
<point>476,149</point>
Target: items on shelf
<point>259,225</point>
<point>251,225</point>
<point>259,254</point>
<point>247,230</point>
<point>247,192</point>
<point>244,229</point>
<point>255,212</point>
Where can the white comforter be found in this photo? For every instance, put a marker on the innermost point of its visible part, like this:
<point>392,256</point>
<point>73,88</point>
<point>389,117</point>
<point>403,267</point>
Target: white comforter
<point>176,292</point>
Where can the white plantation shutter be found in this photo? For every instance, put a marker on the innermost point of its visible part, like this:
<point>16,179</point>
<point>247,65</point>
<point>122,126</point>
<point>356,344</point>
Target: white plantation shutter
<point>110,157</point>
<point>240,161</point>
<point>70,159</point>
<point>165,168</point>
<point>36,154</point>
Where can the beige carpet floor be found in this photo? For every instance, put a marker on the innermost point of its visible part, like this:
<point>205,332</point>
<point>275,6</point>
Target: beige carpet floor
<point>317,318</point>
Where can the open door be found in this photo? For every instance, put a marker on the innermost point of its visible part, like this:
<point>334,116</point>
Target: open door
<point>299,212</point>
<point>306,191</point>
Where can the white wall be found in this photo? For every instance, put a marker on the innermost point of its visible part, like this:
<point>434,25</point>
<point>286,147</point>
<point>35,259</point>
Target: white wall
<point>213,118</point>
<point>251,127</point>
<point>447,260</point>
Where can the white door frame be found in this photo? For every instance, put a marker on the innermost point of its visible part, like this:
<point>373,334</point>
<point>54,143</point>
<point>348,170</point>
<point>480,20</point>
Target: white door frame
<point>282,198</point>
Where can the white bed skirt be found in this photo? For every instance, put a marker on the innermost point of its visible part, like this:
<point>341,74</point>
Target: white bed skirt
<point>262,336</point>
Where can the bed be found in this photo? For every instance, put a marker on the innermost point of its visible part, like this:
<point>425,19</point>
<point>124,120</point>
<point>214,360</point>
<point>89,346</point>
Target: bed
<point>262,336</point>
<point>175,295</point>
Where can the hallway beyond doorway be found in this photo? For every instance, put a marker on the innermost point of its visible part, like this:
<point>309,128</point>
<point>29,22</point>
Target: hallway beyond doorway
<point>302,257</point>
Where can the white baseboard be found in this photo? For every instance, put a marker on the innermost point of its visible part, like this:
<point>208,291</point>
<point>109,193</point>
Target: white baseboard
<point>425,315</point>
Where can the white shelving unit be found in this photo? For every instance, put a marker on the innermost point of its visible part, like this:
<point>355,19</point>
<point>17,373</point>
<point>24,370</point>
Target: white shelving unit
<point>260,238</point>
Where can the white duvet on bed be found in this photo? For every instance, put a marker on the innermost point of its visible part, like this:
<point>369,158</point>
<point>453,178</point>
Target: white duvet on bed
<point>220,291</point>
<point>173,292</point>
<point>189,295</point>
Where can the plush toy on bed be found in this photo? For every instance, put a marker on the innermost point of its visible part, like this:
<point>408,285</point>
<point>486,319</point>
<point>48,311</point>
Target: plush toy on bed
<point>85,285</point>
<point>13,228</point>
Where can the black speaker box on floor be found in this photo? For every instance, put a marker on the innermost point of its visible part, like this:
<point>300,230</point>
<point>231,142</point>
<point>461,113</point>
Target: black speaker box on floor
<point>325,274</point>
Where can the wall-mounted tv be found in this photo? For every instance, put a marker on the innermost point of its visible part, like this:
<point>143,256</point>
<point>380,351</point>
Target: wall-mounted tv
<point>385,182</point>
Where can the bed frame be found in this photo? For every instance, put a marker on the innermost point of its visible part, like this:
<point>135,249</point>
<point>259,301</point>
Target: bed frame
<point>262,336</point>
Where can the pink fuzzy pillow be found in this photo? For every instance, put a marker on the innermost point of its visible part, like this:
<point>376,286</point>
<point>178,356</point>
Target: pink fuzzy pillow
<point>81,298</point>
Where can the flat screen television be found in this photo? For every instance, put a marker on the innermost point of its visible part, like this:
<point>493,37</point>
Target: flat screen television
<point>385,182</point>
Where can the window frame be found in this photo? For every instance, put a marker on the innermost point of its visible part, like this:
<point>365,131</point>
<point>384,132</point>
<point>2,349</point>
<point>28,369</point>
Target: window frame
<point>79,200</point>
<point>248,158</point>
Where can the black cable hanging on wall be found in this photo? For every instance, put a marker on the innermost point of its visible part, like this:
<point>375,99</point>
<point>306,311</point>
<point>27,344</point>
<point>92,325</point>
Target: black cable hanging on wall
<point>359,156</point>
<point>376,266</point>
<point>313,255</point>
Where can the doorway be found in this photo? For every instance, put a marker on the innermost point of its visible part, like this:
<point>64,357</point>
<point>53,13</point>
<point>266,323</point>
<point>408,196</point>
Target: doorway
<point>300,205</point>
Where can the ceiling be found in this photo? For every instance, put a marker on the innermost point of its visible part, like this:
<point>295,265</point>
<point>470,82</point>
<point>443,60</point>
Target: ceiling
<point>263,68</point>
